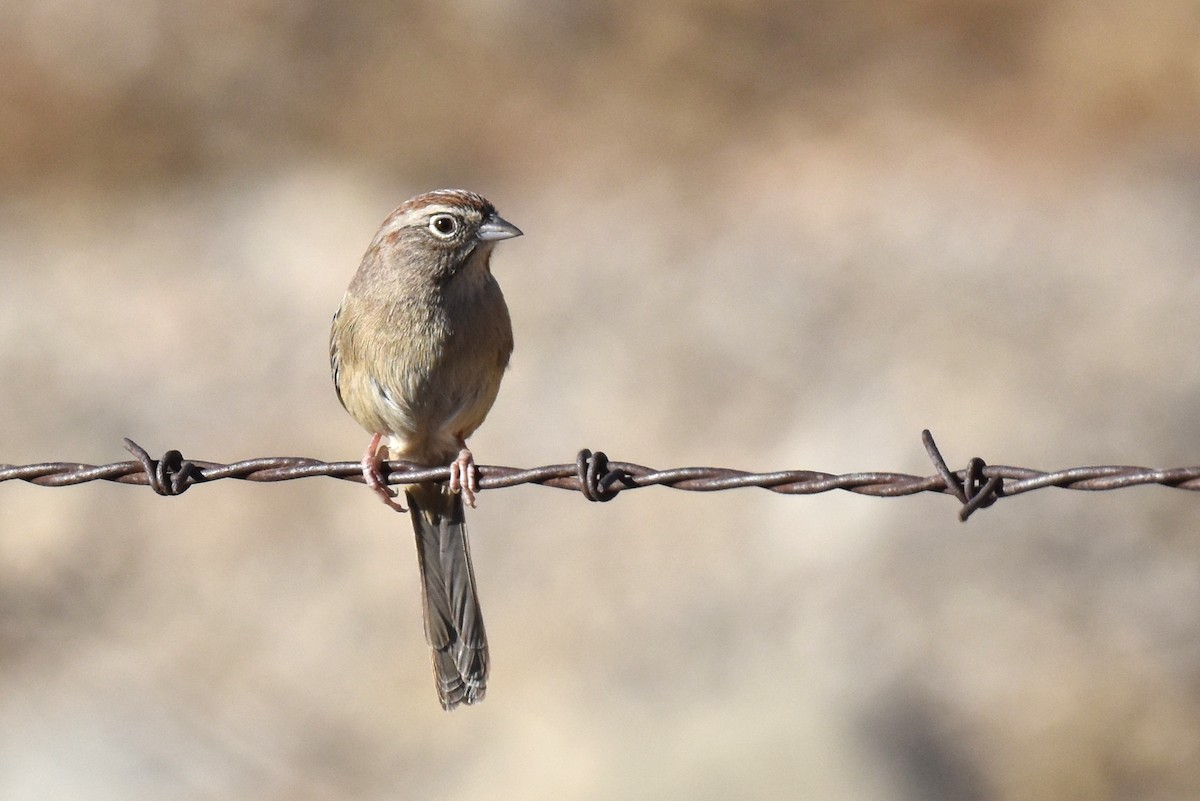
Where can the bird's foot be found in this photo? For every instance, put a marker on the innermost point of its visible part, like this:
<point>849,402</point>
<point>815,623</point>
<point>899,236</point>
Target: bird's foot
<point>464,476</point>
<point>372,461</point>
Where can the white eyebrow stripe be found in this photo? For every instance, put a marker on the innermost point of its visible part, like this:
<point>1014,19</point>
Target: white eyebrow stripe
<point>440,209</point>
<point>418,217</point>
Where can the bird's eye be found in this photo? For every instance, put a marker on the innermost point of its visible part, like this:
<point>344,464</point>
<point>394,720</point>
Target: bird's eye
<point>443,226</point>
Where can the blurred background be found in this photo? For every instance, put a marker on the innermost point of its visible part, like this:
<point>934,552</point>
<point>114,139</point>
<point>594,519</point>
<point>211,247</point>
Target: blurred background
<point>759,235</point>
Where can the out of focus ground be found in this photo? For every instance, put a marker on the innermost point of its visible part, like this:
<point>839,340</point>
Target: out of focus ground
<point>768,235</point>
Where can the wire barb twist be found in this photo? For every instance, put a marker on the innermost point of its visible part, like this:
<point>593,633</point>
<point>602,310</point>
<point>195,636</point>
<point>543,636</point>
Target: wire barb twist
<point>170,475</point>
<point>973,490</point>
<point>976,487</point>
<point>597,480</point>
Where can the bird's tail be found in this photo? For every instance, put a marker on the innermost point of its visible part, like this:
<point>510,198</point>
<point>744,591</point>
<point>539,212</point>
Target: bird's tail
<point>453,622</point>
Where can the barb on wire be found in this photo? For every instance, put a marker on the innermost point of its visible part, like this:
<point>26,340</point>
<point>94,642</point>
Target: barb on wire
<point>977,486</point>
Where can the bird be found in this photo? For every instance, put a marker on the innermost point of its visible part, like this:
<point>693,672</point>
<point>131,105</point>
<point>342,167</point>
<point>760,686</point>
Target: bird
<point>418,348</point>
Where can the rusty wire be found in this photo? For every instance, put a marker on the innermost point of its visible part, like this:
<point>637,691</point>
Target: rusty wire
<point>977,486</point>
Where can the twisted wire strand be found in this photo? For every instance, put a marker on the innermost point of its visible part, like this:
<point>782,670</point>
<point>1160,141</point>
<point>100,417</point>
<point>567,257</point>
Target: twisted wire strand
<point>977,486</point>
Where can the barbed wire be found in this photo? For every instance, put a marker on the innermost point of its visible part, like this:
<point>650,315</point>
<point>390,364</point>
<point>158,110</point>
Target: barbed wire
<point>976,486</point>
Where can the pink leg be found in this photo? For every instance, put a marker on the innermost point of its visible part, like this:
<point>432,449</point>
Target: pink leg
<point>371,462</point>
<point>464,475</point>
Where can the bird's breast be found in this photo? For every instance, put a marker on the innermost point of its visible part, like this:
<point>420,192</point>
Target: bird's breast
<point>432,370</point>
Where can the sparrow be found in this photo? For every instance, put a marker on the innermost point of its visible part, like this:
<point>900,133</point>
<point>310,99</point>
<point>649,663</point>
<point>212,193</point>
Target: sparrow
<point>417,349</point>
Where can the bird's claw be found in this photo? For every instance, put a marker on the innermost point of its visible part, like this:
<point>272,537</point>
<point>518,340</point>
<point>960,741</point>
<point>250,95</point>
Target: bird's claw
<point>375,481</point>
<point>464,477</point>
<point>371,462</point>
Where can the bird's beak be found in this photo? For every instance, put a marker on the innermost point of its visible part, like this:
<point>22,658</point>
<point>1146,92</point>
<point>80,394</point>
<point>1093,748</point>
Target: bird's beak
<point>495,228</point>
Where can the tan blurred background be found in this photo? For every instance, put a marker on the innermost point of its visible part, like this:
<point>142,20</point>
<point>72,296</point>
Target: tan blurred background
<point>763,235</point>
